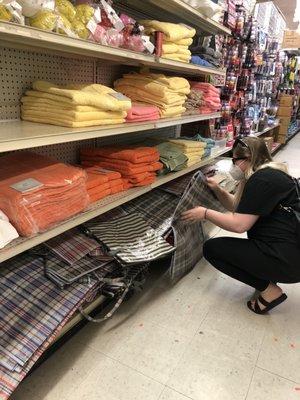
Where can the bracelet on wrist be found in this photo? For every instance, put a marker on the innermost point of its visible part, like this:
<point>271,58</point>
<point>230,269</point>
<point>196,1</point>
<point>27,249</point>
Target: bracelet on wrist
<point>205,213</point>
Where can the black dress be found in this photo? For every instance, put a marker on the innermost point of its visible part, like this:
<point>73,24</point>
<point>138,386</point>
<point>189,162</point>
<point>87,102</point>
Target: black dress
<point>271,252</point>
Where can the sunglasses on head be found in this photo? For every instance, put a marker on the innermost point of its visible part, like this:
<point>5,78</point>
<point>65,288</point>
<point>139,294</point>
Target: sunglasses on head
<point>240,141</point>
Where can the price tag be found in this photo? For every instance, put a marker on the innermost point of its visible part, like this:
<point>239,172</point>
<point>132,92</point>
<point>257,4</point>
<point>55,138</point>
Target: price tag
<point>26,185</point>
<point>92,26</point>
<point>112,16</point>
<point>149,46</point>
<point>97,15</point>
<point>120,96</point>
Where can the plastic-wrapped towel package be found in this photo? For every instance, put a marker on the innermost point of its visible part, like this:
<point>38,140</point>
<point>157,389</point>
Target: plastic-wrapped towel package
<point>37,192</point>
<point>11,11</point>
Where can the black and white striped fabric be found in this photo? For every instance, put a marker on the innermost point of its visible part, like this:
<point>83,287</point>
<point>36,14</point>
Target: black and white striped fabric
<point>63,274</point>
<point>132,240</point>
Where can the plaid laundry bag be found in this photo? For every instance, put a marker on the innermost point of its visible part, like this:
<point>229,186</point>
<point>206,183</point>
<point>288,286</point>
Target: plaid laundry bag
<point>71,246</point>
<point>189,237</point>
<point>33,310</point>
<point>131,240</point>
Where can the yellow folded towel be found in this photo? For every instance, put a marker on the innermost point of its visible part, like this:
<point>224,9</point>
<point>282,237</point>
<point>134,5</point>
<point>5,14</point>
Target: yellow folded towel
<point>41,102</point>
<point>173,32</point>
<point>193,162</point>
<point>95,88</point>
<point>105,101</point>
<point>173,84</point>
<point>181,42</point>
<point>61,122</point>
<point>185,52</point>
<point>188,144</point>
<point>152,88</point>
<point>75,116</point>
<point>169,48</point>
<point>172,112</point>
<point>137,94</point>
<point>189,153</point>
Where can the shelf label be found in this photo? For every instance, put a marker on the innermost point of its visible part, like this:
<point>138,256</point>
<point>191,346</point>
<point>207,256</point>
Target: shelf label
<point>27,185</point>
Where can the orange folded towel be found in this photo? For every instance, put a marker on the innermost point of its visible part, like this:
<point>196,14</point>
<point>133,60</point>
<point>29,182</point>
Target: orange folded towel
<point>97,194</point>
<point>134,169</point>
<point>126,184</point>
<point>117,189</point>
<point>146,181</point>
<point>133,154</point>
<point>95,180</point>
<point>109,174</point>
<point>117,161</point>
<point>137,178</point>
<point>116,182</point>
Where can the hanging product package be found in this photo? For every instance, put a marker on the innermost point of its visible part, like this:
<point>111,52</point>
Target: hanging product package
<point>11,11</point>
<point>37,192</point>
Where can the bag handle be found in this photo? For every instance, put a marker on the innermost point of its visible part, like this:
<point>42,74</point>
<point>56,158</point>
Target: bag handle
<point>109,314</point>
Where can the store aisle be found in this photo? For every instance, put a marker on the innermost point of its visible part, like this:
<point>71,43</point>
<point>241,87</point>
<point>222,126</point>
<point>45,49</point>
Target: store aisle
<point>195,341</point>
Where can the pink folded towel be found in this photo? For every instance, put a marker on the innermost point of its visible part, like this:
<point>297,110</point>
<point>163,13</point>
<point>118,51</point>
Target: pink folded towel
<point>205,87</point>
<point>142,112</point>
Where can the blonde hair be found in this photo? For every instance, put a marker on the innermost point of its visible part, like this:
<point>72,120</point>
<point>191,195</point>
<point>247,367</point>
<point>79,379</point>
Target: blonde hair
<point>259,156</point>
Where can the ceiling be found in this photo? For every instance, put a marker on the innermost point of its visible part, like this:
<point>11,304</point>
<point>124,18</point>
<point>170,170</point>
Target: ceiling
<point>287,8</point>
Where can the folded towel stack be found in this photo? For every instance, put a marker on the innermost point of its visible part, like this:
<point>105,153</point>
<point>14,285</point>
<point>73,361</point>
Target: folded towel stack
<point>211,97</point>
<point>142,112</point>
<point>192,149</point>
<point>177,39</point>
<point>137,165</point>
<point>167,93</point>
<point>195,100</point>
<point>74,106</point>
<point>102,182</point>
<point>37,192</point>
<point>208,143</point>
<point>206,54</point>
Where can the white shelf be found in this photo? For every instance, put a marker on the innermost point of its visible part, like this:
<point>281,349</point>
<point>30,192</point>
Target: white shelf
<point>16,135</point>
<point>22,244</point>
<point>266,130</point>
<point>176,11</point>
<point>28,38</point>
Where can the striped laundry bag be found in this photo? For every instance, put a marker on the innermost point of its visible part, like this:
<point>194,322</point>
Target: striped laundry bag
<point>189,237</point>
<point>32,312</point>
<point>131,239</point>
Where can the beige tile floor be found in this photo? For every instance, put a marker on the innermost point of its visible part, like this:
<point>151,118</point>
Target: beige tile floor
<point>196,340</point>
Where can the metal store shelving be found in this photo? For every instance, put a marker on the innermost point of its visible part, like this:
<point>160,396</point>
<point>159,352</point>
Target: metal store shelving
<point>108,203</point>
<point>29,38</point>
<point>17,135</point>
<point>174,11</point>
<point>266,130</point>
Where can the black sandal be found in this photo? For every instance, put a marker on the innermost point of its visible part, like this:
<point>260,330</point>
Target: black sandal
<point>269,306</point>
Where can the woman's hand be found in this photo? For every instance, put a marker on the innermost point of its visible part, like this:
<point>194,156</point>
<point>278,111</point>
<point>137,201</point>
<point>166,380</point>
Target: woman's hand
<point>212,184</point>
<point>195,214</point>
